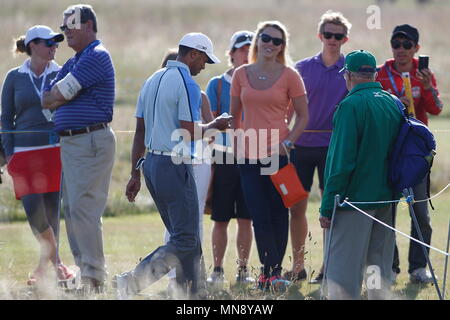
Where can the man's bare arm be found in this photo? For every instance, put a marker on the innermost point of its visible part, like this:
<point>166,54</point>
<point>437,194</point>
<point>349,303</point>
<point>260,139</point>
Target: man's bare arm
<point>52,99</point>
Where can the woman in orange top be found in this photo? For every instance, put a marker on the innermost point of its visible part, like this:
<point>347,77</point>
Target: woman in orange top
<point>264,90</point>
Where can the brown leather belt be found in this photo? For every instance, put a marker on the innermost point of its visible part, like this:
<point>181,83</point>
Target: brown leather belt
<point>88,129</point>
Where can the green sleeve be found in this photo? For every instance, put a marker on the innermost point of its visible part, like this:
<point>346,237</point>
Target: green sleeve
<point>342,154</point>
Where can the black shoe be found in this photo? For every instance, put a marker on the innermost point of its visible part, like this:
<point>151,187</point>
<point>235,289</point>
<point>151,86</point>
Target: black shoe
<point>318,279</point>
<point>294,277</point>
<point>243,277</point>
<point>92,286</point>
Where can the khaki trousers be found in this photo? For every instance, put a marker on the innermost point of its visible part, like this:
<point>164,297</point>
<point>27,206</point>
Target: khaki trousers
<point>360,248</point>
<point>87,161</point>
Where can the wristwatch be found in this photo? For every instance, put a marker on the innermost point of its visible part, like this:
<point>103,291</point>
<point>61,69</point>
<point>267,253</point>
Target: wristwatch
<point>289,144</point>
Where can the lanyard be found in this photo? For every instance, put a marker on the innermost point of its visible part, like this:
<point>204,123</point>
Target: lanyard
<point>394,86</point>
<point>38,91</point>
<point>47,113</point>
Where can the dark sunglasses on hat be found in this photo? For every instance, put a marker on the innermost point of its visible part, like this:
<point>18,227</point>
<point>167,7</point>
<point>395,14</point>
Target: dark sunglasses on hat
<point>406,44</point>
<point>337,36</point>
<point>49,42</point>
<point>266,38</point>
<point>245,37</point>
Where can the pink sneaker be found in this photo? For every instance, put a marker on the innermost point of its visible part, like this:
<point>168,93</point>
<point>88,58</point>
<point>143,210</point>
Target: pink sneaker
<point>64,273</point>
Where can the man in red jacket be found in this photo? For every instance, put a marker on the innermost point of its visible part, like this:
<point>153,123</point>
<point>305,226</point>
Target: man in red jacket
<point>405,44</point>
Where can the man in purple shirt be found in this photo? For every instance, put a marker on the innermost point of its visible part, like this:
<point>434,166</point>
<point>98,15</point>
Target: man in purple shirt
<point>325,88</point>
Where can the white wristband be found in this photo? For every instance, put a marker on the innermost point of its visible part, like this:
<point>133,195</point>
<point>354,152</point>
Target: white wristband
<point>69,86</point>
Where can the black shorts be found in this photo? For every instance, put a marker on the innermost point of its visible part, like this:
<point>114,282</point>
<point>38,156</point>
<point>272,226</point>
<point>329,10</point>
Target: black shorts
<point>306,159</point>
<point>228,198</point>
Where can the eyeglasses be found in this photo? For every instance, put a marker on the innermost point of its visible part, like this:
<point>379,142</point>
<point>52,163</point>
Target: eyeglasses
<point>245,37</point>
<point>337,36</point>
<point>266,38</point>
<point>49,42</point>
<point>407,44</point>
<point>65,27</point>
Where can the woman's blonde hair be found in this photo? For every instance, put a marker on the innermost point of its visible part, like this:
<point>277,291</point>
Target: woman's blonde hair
<point>283,57</point>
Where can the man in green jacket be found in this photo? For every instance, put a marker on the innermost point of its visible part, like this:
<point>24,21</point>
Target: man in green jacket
<point>365,126</point>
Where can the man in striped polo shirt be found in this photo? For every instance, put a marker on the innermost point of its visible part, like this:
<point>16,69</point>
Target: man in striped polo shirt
<point>83,96</point>
<point>170,102</point>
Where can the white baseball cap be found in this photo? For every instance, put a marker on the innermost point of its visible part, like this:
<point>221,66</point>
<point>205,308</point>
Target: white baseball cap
<point>241,38</point>
<point>42,32</point>
<point>200,42</point>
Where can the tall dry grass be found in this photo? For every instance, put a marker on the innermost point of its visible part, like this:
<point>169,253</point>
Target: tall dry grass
<point>138,33</point>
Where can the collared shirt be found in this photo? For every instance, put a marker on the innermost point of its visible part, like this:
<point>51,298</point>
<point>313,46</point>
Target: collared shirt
<point>22,109</point>
<point>94,70</point>
<point>365,126</point>
<point>51,67</point>
<point>425,101</point>
<point>168,96</point>
<point>325,88</point>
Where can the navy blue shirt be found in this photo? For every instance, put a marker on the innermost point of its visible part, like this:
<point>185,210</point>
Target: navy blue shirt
<point>94,70</point>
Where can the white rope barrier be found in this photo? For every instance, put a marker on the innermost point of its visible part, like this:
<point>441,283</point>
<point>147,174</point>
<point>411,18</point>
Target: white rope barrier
<point>405,200</point>
<point>436,195</point>
<point>395,230</point>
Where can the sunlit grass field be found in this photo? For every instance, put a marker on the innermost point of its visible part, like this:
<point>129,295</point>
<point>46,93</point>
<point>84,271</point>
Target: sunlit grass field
<point>138,33</point>
<point>129,238</point>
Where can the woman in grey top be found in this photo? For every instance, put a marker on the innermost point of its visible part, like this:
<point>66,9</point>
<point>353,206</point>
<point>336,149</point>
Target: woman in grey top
<point>30,129</point>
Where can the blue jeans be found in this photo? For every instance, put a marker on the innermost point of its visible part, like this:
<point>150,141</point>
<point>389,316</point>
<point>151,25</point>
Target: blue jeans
<point>270,216</point>
<point>416,257</point>
<point>174,192</point>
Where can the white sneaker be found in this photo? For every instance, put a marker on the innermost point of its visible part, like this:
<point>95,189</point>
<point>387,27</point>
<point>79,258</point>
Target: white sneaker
<point>216,278</point>
<point>123,291</point>
<point>421,275</point>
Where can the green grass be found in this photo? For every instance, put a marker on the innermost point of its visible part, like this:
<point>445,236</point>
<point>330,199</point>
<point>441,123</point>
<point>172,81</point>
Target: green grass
<point>138,33</point>
<point>129,238</point>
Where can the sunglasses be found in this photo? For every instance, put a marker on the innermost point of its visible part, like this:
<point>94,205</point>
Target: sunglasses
<point>407,44</point>
<point>337,36</point>
<point>266,38</point>
<point>49,42</point>
<point>65,27</point>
